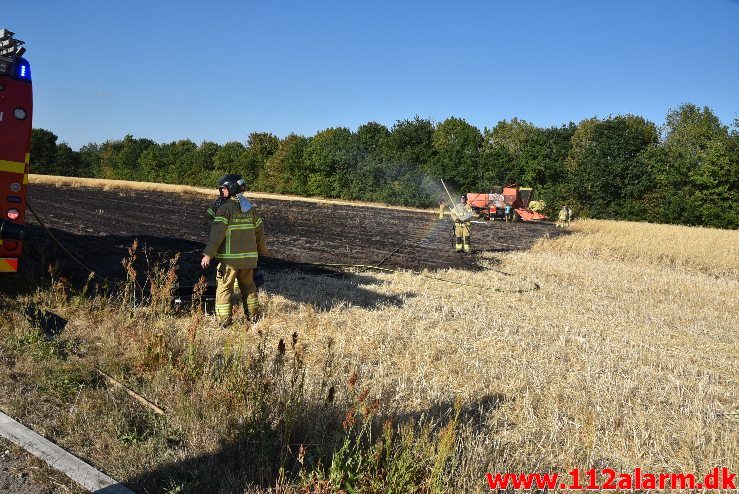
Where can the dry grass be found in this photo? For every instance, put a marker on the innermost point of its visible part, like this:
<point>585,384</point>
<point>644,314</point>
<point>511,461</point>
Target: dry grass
<point>703,250</point>
<point>626,357</point>
<point>107,184</point>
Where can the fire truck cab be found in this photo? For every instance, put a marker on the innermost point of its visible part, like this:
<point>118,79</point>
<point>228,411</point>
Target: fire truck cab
<point>16,107</point>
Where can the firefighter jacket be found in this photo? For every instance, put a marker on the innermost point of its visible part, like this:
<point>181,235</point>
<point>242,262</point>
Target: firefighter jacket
<point>458,210</point>
<point>236,238</point>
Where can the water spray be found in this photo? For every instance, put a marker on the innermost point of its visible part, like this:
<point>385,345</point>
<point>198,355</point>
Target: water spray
<point>451,203</point>
<point>461,215</point>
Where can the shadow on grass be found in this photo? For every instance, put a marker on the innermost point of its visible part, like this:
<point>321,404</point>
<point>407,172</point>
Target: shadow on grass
<point>43,261</point>
<point>260,457</point>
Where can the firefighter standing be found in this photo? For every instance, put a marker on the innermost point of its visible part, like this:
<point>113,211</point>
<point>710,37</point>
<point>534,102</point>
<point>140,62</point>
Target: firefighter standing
<point>237,241</point>
<point>562,217</point>
<point>461,214</point>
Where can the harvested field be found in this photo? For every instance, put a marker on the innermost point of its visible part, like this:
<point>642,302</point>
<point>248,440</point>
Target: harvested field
<point>624,358</point>
<point>99,225</point>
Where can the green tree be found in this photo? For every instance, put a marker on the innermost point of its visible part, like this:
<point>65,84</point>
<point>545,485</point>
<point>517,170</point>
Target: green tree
<point>701,173</point>
<point>259,147</point>
<point>90,160</point>
<point>369,177</point>
<point>457,153</point>
<point>503,151</point>
<point>330,157</point>
<point>284,171</point>
<point>609,172</point>
<point>67,161</point>
<point>410,144</point>
<point>43,152</point>
<point>229,158</point>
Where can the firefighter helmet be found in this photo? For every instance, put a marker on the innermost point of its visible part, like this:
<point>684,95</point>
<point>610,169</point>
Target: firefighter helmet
<point>233,183</point>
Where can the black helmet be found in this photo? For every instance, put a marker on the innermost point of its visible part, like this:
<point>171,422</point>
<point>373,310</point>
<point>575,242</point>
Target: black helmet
<point>233,183</point>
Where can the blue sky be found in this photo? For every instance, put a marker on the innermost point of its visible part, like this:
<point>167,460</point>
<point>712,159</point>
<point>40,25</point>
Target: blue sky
<point>220,70</point>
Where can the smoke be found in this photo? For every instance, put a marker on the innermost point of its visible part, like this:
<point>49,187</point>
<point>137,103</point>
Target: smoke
<point>433,187</point>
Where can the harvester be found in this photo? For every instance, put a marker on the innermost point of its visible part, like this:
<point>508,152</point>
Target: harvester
<point>492,205</point>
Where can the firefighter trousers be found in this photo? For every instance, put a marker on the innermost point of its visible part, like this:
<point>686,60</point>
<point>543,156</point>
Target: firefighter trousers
<point>461,236</point>
<point>226,278</point>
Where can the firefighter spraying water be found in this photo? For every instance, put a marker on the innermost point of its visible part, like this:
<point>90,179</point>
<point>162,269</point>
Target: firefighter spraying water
<point>461,215</point>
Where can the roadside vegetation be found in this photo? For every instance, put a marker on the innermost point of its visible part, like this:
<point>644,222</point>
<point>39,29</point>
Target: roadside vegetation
<point>621,167</point>
<point>606,348</point>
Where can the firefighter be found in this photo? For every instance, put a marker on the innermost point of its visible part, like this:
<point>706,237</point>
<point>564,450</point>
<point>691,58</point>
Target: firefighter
<point>236,241</point>
<point>461,217</point>
<point>442,206</point>
<point>562,217</point>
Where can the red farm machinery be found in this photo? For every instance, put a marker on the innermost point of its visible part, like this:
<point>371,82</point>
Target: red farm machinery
<point>516,201</point>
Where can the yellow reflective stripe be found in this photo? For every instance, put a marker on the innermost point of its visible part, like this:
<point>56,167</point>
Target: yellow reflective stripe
<point>8,265</point>
<point>12,166</point>
<point>237,256</point>
<point>240,227</point>
<point>28,158</point>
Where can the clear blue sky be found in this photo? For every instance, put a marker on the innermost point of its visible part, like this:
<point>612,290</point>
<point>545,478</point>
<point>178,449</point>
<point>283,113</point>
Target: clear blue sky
<point>220,70</point>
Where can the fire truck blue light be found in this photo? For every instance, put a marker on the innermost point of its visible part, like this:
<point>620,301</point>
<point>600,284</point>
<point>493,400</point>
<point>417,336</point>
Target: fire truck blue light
<point>24,70</point>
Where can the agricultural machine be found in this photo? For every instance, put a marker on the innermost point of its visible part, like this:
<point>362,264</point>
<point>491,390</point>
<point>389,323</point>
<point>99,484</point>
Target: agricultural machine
<point>16,106</point>
<point>492,205</point>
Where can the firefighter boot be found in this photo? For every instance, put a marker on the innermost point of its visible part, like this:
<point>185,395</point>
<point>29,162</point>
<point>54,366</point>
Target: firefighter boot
<point>252,306</point>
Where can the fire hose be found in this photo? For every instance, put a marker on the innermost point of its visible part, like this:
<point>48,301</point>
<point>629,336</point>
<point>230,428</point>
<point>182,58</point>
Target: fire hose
<point>64,249</point>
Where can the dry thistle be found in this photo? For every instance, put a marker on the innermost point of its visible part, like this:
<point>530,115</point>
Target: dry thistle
<point>281,347</point>
<point>352,380</point>
<point>330,397</point>
<point>371,407</point>
<point>294,339</point>
<point>349,420</point>
<point>363,396</point>
<point>197,293</point>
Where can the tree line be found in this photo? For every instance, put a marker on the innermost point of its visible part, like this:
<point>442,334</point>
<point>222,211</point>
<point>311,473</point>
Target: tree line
<point>621,167</point>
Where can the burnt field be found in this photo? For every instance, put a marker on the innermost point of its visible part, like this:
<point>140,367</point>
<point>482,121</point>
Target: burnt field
<point>98,226</point>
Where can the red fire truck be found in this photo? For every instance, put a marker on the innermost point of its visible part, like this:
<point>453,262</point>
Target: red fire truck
<point>16,109</point>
